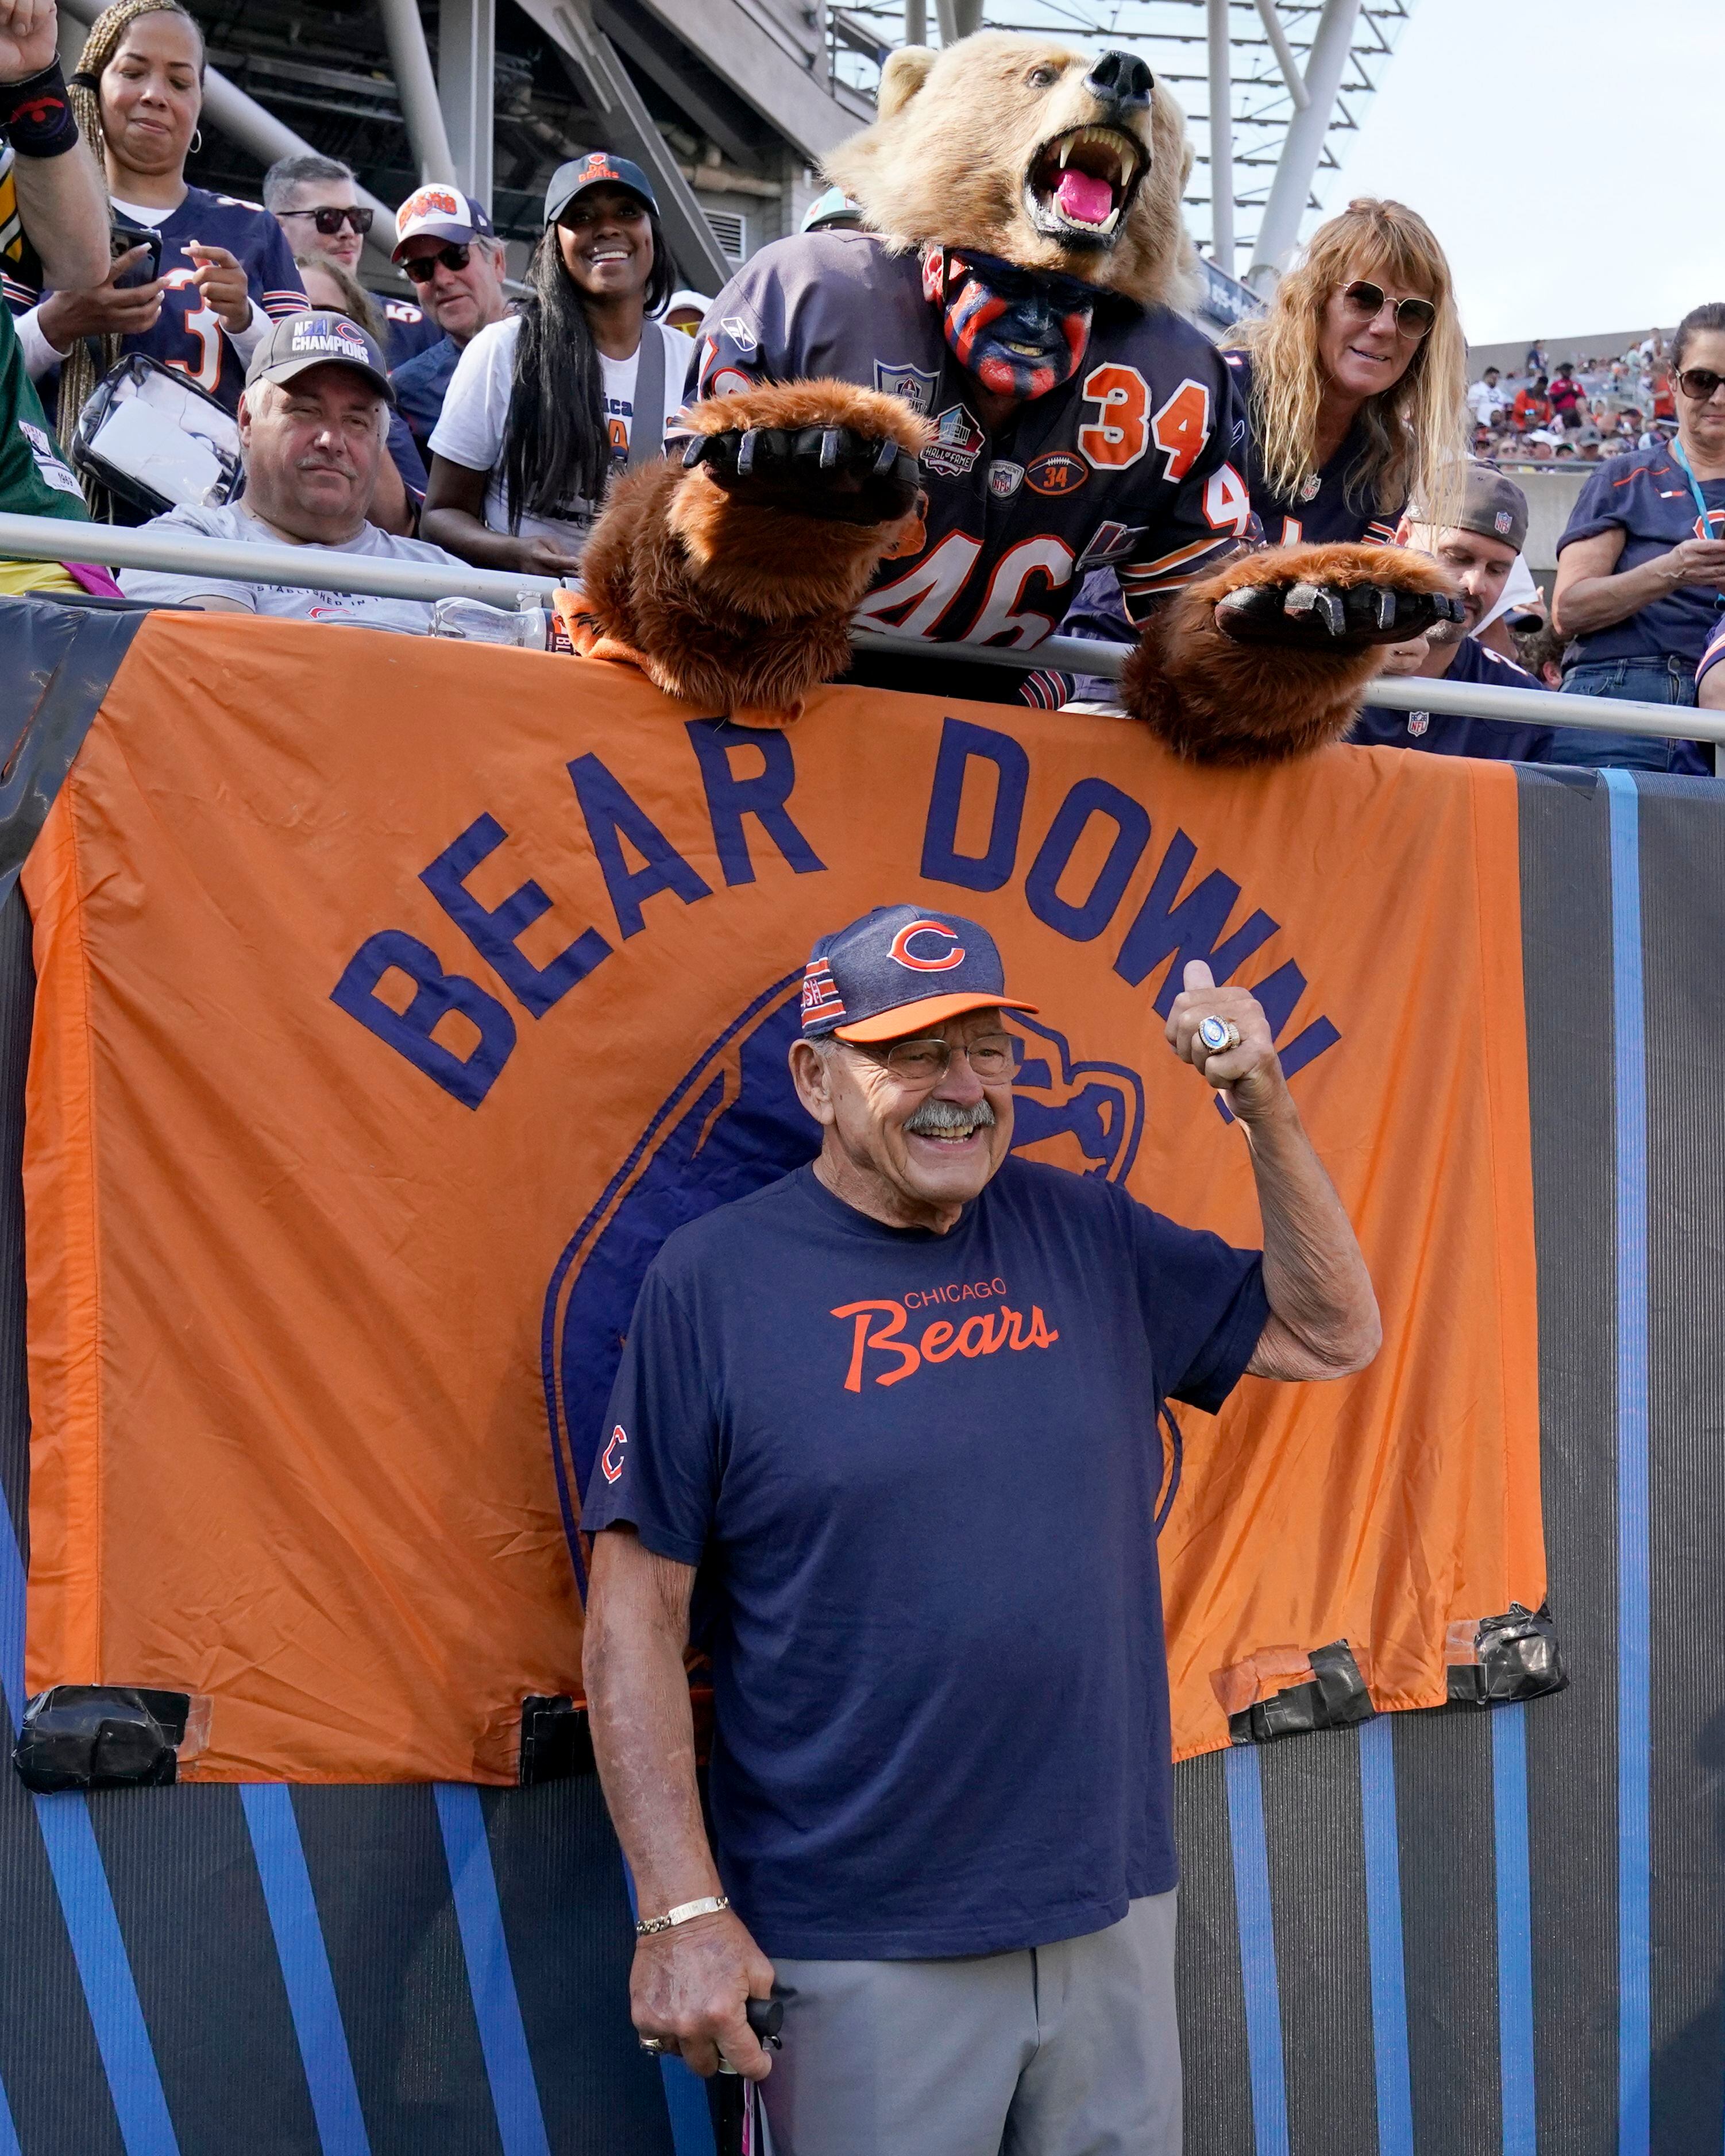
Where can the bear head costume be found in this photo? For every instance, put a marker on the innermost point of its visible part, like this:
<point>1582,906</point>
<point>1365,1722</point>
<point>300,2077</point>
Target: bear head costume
<point>938,425</point>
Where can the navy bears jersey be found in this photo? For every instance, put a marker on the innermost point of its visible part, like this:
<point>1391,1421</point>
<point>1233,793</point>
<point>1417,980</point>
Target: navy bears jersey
<point>1322,515</point>
<point>1446,733</point>
<point>408,331</point>
<point>1127,464</point>
<point>188,335</point>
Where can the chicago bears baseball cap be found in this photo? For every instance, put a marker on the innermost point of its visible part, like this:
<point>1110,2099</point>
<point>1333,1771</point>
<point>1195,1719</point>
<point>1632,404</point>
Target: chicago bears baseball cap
<point>302,341</point>
<point>439,212</point>
<point>899,969</point>
<point>598,168</point>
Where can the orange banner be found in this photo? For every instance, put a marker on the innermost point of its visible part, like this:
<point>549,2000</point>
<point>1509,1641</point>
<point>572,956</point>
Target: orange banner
<point>396,998</point>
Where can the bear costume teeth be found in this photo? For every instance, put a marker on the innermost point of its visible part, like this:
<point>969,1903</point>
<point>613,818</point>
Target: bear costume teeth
<point>1081,184</point>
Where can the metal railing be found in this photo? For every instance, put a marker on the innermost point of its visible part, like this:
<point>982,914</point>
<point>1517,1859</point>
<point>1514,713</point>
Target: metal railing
<point>322,568</point>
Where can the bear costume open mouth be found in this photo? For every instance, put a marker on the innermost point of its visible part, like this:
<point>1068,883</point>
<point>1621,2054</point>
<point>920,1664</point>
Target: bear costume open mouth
<point>1081,184</point>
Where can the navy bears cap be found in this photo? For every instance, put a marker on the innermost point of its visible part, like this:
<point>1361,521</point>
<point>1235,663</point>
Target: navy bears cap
<point>900,967</point>
<point>598,168</point>
<point>302,341</point>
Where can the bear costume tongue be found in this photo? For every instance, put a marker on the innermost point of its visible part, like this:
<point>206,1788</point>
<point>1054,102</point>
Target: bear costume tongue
<point>1083,197</point>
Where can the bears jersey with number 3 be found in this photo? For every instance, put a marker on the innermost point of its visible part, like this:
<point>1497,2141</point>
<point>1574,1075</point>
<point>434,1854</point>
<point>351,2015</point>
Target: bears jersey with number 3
<point>186,335</point>
<point>1135,462</point>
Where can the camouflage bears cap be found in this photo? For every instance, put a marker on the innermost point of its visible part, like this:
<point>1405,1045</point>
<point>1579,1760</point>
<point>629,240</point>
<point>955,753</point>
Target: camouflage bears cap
<point>898,969</point>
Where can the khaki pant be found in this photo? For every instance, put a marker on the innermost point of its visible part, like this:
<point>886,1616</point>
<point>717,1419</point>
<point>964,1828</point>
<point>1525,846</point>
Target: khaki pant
<point>1069,2049</point>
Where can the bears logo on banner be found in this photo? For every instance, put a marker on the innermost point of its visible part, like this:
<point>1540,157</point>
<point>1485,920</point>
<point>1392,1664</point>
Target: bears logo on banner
<point>389,1016</point>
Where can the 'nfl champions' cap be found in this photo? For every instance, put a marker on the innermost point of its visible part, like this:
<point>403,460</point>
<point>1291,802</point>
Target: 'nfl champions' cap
<point>439,212</point>
<point>899,969</point>
<point>300,342</point>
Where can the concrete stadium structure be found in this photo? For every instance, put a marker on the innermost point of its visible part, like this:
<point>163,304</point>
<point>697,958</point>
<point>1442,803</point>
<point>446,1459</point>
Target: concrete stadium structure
<point>731,105</point>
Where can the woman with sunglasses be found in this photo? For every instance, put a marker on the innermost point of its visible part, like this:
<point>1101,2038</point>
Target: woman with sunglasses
<point>1641,565</point>
<point>545,406</point>
<point>227,269</point>
<point>1355,385</point>
<point>1355,381</point>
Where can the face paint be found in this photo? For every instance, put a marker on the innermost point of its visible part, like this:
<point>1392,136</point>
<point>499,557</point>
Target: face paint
<point>1021,332</point>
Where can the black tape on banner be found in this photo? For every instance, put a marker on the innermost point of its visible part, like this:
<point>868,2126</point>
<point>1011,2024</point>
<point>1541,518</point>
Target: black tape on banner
<point>1335,1699</point>
<point>101,1737</point>
<point>557,1741</point>
<point>1518,1657</point>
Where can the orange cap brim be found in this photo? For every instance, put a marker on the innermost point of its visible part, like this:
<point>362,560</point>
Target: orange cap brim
<point>907,1019</point>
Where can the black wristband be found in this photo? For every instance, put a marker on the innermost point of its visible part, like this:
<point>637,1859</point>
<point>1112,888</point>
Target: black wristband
<point>37,114</point>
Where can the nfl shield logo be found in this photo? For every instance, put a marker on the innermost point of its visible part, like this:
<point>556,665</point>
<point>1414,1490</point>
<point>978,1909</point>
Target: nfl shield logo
<point>1503,520</point>
<point>916,385</point>
<point>1005,479</point>
<point>1418,721</point>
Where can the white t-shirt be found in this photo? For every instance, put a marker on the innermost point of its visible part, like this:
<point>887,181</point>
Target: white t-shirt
<point>287,601</point>
<point>469,430</point>
<point>1486,399</point>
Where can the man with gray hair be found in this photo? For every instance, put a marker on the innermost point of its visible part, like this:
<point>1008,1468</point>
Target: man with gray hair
<point>315,201</point>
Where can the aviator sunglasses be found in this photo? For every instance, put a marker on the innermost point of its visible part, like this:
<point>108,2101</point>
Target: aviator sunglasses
<point>423,267</point>
<point>1699,382</point>
<point>1413,317</point>
<point>331,217</point>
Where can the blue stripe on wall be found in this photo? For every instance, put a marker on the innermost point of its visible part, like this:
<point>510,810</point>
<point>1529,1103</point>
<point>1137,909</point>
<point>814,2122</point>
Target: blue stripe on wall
<point>1257,1950</point>
<point>98,1947</point>
<point>286,1881</point>
<point>1383,1936</point>
<point>1633,1661</point>
<point>1515,1930</point>
<point>497,2006</point>
<point>691,2121</point>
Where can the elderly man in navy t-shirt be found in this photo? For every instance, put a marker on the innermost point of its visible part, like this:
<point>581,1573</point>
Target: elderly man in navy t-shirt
<point>899,1411</point>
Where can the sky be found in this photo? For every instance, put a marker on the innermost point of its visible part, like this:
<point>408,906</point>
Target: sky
<point>1569,156</point>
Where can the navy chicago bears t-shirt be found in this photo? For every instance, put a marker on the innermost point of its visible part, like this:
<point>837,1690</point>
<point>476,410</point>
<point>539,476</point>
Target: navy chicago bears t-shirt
<point>1646,496</point>
<point>1447,733</point>
<point>919,1474</point>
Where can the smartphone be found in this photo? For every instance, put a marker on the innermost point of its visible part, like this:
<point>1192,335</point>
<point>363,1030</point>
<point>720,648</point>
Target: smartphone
<point>123,235</point>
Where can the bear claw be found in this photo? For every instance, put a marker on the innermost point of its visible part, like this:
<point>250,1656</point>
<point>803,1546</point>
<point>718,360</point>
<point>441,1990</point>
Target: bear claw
<point>1342,619</point>
<point>834,473</point>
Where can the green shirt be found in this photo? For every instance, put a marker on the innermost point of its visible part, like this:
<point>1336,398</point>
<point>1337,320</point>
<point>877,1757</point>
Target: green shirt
<point>34,479</point>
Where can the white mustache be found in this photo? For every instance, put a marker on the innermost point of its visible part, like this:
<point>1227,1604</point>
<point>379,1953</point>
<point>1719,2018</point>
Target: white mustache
<point>946,1119</point>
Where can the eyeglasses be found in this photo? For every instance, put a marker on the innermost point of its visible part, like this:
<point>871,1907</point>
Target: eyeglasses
<point>333,216</point>
<point>1699,382</point>
<point>423,268</point>
<point>1413,317</point>
<point>922,1062</point>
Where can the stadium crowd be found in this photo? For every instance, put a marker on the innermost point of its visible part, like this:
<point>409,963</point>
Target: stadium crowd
<point>482,420</point>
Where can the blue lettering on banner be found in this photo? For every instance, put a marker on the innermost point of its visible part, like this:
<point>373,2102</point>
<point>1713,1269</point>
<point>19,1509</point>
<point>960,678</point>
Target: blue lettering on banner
<point>465,1078</point>
<point>611,818</point>
<point>942,862</point>
<point>1090,797</point>
<point>496,931</point>
<point>730,798</point>
<point>1190,929</point>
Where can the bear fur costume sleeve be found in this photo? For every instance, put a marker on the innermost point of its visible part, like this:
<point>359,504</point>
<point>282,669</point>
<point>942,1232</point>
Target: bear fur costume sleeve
<point>1096,426</point>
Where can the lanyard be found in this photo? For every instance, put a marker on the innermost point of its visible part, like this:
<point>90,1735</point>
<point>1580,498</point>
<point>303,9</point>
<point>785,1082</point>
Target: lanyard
<point>1701,500</point>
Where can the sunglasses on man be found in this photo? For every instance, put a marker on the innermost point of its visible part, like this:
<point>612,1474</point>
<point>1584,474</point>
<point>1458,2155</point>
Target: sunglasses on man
<point>331,217</point>
<point>1413,317</point>
<point>1699,382</point>
<point>421,269</point>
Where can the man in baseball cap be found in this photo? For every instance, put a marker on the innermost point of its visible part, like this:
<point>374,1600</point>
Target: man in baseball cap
<point>445,243</point>
<point>1482,550</point>
<point>313,423</point>
<point>901,1407</point>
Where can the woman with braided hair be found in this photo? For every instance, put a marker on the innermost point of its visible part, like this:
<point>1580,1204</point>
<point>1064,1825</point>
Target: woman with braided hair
<point>227,267</point>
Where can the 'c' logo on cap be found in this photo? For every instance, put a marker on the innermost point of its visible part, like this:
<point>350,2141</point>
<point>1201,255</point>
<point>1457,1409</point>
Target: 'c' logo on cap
<point>902,948</point>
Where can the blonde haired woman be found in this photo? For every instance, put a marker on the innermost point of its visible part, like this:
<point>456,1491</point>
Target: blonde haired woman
<point>1355,381</point>
<point>1355,386</point>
